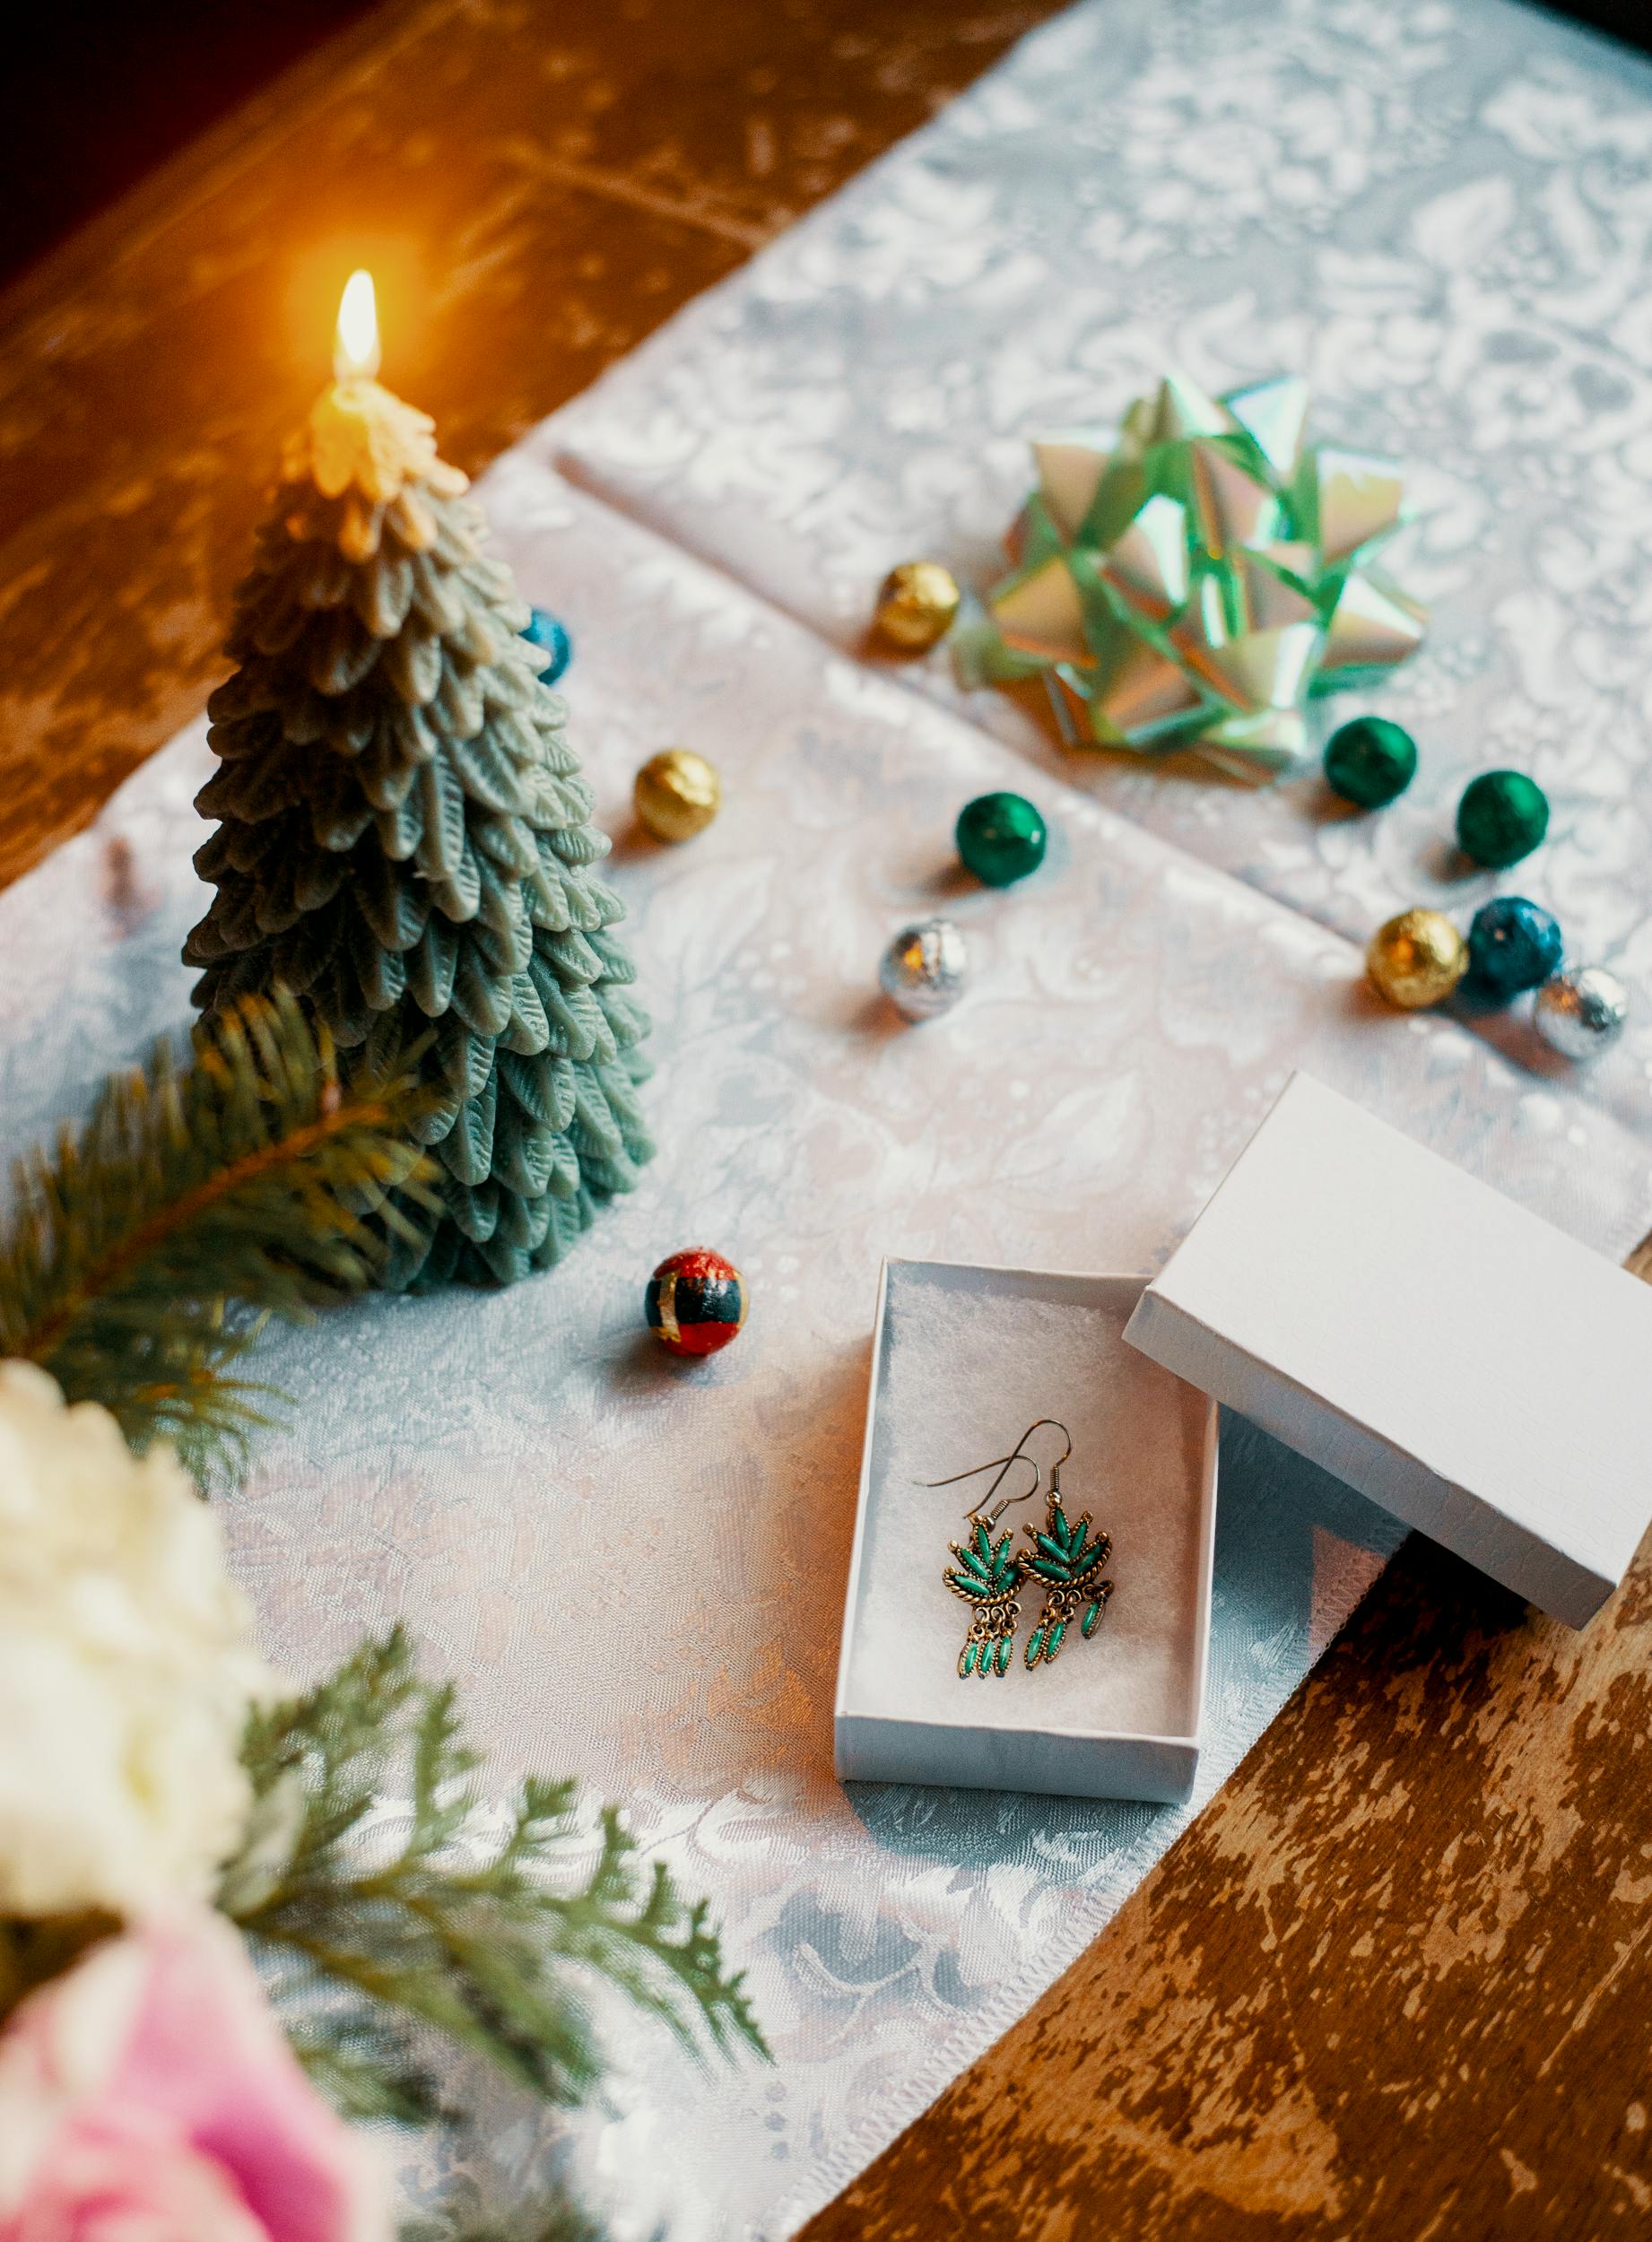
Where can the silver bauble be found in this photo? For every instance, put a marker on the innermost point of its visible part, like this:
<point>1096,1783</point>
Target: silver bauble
<point>925,968</point>
<point>1581,1011</point>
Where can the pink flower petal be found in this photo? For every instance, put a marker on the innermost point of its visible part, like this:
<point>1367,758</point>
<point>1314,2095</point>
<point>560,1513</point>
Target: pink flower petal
<point>149,2096</point>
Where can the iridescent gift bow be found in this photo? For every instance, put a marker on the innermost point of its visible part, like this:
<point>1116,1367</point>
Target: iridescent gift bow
<point>1195,580</point>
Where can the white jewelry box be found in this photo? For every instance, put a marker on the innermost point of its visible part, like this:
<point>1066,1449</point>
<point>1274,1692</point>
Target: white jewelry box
<point>1469,1367</point>
<point>964,1359</point>
<point>1473,1370</point>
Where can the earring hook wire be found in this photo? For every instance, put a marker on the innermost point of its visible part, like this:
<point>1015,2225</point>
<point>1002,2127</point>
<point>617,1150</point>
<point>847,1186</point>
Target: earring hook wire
<point>1017,1454</point>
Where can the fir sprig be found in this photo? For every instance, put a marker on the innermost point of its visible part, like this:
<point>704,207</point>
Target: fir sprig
<point>494,1945</point>
<point>202,1193</point>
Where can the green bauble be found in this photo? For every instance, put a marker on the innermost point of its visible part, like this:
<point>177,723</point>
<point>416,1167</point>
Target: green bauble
<point>1371,762</point>
<point>405,842</point>
<point>1001,838</point>
<point>1502,816</point>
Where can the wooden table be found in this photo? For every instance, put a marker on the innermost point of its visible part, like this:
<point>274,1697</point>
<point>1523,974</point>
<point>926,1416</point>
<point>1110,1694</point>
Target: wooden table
<point>1397,1979</point>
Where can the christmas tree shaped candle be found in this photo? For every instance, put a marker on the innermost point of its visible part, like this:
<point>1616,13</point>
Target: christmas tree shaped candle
<point>404,839</point>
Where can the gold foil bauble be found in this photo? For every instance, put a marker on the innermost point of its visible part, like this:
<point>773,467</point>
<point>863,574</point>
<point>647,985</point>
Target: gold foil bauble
<point>1417,959</point>
<point>917,605</point>
<point>676,794</point>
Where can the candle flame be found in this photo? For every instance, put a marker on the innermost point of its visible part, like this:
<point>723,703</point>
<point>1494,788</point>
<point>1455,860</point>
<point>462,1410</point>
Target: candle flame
<point>355,353</point>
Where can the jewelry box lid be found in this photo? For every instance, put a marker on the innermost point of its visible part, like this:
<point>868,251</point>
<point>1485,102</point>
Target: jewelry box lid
<point>1457,1359</point>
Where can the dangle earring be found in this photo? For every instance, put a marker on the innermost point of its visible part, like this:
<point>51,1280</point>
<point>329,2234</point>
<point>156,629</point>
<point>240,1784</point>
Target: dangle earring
<point>988,1572</point>
<point>1067,1565</point>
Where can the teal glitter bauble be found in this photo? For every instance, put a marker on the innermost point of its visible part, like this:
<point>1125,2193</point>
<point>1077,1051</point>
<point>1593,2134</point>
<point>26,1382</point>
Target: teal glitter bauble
<point>1513,945</point>
<point>1371,762</point>
<point>1502,816</point>
<point>1001,838</point>
<point>551,637</point>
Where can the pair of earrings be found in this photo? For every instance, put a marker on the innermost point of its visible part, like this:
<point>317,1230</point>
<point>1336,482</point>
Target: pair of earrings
<point>1063,1560</point>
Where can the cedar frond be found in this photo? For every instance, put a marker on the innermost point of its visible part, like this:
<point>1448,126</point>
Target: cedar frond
<point>493,1944</point>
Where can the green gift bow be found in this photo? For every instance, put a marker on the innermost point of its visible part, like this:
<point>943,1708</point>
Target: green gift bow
<point>1195,581</point>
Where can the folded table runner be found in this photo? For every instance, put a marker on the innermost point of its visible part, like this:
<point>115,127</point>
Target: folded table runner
<point>1436,213</point>
<point>528,1480</point>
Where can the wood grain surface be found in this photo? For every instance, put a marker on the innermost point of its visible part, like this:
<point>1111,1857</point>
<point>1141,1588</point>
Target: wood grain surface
<point>537,186</point>
<point>1396,1982</point>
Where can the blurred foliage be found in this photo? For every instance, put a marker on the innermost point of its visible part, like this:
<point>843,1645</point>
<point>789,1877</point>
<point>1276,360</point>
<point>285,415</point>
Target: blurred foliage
<point>205,1193</point>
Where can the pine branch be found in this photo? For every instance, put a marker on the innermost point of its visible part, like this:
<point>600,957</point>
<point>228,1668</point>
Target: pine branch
<point>497,1947</point>
<point>201,1196</point>
<point>375,2072</point>
<point>552,2219</point>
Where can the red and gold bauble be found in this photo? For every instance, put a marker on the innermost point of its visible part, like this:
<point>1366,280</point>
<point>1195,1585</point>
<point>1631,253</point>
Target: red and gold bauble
<point>696,1302</point>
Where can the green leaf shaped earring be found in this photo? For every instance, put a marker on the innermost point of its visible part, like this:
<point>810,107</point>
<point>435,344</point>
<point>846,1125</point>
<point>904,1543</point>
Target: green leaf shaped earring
<point>986,1576</point>
<point>989,1572</point>
<point>1067,1563</point>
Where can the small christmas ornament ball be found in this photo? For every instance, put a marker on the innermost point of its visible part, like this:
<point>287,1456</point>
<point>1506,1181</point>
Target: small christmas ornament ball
<point>676,794</point>
<point>917,603</point>
<point>1502,816</point>
<point>695,1302</point>
<point>1417,959</point>
<point>925,968</point>
<point>1001,838</point>
<point>1371,762</point>
<point>1513,945</point>
<point>1581,1012</point>
<point>551,637</point>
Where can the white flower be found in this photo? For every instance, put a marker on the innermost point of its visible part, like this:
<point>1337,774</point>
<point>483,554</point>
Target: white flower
<point>126,1666</point>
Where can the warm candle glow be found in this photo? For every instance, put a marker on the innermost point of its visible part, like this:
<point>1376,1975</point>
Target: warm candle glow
<point>355,353</point>
<point>364,461</point>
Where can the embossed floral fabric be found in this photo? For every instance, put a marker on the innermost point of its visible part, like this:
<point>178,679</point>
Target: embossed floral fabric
<point>636,1571</point>
<point>1440,211</point>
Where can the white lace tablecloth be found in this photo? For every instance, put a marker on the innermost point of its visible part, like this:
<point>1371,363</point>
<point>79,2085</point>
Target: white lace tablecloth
<point>636,1571</point>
